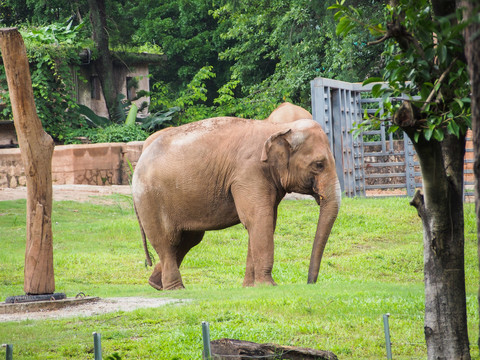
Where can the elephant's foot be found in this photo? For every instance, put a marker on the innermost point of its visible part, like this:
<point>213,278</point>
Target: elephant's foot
<point>265,280</point>
<point>175,286</point>
<point>248,282</point>
<point>154,285</point>
<point>172,280</point>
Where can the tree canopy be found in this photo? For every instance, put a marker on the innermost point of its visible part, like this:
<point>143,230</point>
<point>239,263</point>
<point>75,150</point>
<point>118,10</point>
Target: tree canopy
<point>224,57</point>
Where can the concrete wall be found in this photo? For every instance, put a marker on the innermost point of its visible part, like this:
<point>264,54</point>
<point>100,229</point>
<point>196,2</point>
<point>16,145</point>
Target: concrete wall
<point>90,164</point>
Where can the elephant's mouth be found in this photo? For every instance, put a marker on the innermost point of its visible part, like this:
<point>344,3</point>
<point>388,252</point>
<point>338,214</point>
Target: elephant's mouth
<point>316,192</point>
<point>318,198</point>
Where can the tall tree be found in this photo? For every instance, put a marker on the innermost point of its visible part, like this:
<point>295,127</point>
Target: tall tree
<point>425,57</point>
<point>104,63</point>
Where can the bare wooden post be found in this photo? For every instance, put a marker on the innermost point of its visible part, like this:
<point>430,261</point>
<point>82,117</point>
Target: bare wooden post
<point>36,149</point>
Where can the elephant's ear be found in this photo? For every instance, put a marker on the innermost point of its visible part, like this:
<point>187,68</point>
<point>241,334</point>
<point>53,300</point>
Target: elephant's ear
<point>276,138</point>
<point>290,140</point>
<point>277,151</point>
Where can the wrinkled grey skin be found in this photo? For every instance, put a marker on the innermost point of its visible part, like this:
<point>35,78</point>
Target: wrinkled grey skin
<point>218,172</point>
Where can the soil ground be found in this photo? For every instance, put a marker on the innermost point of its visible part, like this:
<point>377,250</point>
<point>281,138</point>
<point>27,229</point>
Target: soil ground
<point>82,193</point>
<point>101,306</point>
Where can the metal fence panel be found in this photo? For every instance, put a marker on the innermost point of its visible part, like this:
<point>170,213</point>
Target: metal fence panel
<point>375,161</point>
<point>336,106</point>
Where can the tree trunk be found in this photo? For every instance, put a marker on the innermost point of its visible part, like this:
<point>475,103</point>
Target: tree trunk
<point>103,64</point>
<point>36,150</point>
<point>441,211</point>
<point>232,349</point>
<point>472,53</point>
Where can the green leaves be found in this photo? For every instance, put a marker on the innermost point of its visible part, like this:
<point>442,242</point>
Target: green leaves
<point>160,119</point>
<point>345,25</point>
<point>55,34</point>
<point>53,52</point>
<point>372,80</point>
<point>453,128</point>
<point>196,89</point>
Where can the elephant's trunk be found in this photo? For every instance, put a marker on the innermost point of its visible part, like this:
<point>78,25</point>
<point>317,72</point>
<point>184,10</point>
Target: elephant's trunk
<point>329,207</point>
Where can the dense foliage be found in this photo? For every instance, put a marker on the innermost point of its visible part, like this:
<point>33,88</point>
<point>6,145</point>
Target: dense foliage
<point>224,57</point>
<point>279,46</point>
<point>53,53</point>
<point>261,54</point>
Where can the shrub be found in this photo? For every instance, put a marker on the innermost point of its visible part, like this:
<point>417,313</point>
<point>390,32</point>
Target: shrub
<point>111,133</point>
<point>119,133</point>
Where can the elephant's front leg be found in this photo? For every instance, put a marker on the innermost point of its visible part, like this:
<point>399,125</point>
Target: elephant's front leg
<point>262,252</point>
<point>257,213</point>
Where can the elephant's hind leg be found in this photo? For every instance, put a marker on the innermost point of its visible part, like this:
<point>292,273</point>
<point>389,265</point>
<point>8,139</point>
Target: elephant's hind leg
<point>173,258</point>
<point>155,279</point>
<point>171,277</point>
<point>166,275</point>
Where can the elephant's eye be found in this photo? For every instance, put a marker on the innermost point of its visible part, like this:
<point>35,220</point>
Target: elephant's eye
<point>319,165</point>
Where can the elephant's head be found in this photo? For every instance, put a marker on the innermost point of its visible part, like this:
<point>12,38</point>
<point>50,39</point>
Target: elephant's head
<point>300,157</point>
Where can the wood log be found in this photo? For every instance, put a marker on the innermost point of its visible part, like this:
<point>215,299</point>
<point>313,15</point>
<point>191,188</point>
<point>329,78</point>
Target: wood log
<point>231,349</point>
<point>36,148</point>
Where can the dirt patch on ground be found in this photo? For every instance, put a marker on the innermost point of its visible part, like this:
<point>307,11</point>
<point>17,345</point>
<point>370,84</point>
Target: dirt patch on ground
<point>100,306</point>
<point>386,192</point>
<point>97,194</point>
<point>82,193</point>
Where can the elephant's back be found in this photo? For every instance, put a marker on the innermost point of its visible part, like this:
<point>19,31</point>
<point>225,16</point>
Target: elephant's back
<point>205,130</point>
<point>214,135</point>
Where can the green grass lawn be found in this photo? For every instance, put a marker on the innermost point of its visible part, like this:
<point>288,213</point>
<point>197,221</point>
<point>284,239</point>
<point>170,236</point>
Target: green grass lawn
<point>372,265</point>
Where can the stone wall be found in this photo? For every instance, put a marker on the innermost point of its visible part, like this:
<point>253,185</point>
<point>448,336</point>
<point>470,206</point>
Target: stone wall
<point>90,164</point>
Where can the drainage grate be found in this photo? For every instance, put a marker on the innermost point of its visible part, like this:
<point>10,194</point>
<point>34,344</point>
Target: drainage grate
<point>30,298</point>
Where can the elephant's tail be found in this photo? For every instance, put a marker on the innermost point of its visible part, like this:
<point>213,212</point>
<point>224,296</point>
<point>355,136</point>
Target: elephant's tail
<point>144,238</point>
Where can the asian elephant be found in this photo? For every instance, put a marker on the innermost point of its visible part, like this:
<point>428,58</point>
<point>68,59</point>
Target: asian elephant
<point>285,112</point>
<point>218,172</point>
